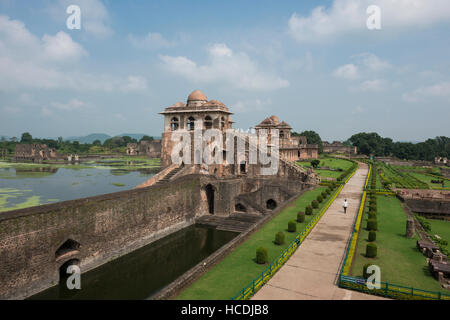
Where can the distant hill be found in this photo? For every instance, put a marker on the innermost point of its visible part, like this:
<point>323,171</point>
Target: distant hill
<point>89,138</point>
<point>102,137</point>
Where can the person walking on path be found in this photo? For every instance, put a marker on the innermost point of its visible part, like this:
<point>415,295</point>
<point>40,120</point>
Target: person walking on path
<point>345,205</point>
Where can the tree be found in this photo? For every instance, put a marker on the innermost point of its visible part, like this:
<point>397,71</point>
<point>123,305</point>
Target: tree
<point>315,163</point>
<point>146,138</point>
<point>97,143</point>
<point>26,138</point>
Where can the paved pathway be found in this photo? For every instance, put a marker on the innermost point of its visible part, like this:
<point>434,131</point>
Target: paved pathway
<point>312,271</point>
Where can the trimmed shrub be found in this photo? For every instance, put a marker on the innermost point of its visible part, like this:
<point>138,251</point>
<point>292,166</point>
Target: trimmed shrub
<point>301,217</point>
<point>372,225</point>
<point>324,194</point>
<point>261,255</point>
<point>373,206</point>
<point>372,216</point>
<point>319,198</point>
<point>365,274</point>
<point>315,204</point>
<point>372,236</point>
<point>328,191</point>
<point>292,226</point>
<point>279,238</point>
<point>371,250</point>
<point>308,210</point>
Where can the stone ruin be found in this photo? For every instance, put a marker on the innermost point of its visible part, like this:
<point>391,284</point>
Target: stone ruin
<point>34,153</point>
<point>151,149</point>
<point>338,147</point>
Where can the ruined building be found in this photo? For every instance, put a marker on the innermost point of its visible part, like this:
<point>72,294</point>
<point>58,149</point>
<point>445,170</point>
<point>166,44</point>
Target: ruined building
<point>338,147</point>
<point>151,149</point>
<point>34,152</point>
<point>291,148</point>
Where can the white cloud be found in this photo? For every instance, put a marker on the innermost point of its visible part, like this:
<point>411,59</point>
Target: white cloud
<point>438,90</point>
<point>29,62</point>
<point>61,47</point>
<point>151,41</point>
<point>358,110</point>
<point>349,16</point>
<point>234,69</point>
<point>364,65</point>
<point>372,85</point>
<point>72,105</point>
<point>371,62</point>
<point>134,83</point>
<point>348,71</point>
<point>244,106</point>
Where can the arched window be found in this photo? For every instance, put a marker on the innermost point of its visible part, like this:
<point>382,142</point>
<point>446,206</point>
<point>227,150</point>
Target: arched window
<point>191,123</point>
<point>222,123</point>
<point>271,204</point>
<point>174,124</point>
<point>208,122</point>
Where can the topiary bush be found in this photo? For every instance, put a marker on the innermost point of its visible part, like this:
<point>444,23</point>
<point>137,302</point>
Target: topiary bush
<point>279,238</point>
<point>372,216</point>
<point>328,190</point>
<point>292,226</point>
<point>261,255</point>
<point>372,236</point>
<point>315,204</point>
<point>324,194</point>
<point>319,198</point>
<point>372,225</point>
<point>371,250</point>
<point>365,274</point>
<point>308,210</point>
<point>373,206</point>
<point>301,217</point>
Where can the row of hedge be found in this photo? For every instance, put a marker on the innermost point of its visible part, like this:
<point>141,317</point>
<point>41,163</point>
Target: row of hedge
<point>261,252</point>
<point>372,223</point>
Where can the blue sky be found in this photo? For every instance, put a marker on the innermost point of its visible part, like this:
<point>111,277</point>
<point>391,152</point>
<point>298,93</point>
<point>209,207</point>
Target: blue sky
<point>314,64</point>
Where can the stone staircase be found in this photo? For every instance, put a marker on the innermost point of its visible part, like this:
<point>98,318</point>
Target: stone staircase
<point>168,176</point>
<point>237,222</point>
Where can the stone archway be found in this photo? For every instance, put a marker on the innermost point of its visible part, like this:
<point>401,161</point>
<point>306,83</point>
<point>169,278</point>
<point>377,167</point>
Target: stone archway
<point>210,191</point>
<point>271,204</point>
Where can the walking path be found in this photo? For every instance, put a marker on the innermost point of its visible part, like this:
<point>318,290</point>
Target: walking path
<point>312,271</point>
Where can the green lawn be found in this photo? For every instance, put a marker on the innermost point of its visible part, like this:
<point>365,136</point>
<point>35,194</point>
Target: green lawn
<point>440,227</point>
<point>400,261</point>
<point>427,179</point>
<point>236,270</point>
<point>328,162</point>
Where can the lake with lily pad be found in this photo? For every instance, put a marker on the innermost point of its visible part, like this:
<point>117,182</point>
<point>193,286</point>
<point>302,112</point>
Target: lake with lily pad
<point>25,185</point>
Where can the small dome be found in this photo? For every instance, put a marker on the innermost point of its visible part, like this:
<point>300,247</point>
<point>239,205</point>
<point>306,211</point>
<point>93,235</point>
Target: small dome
<point>275,119</point>
<point>197,95</point>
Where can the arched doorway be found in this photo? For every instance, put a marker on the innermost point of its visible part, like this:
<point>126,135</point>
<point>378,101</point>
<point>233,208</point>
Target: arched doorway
<point>67,247</point>
<point>271,204</point>
<point>239,207</point>
<point>210,198</point>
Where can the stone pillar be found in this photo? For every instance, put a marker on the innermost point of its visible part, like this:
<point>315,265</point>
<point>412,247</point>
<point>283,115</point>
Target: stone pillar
<point>410,228</point>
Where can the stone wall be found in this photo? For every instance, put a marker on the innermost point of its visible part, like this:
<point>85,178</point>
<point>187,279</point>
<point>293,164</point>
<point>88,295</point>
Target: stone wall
<point>105,227</point>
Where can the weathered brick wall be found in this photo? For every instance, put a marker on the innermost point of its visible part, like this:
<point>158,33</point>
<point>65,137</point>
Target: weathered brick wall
<point>106,227</point>
<point>429,206</point>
